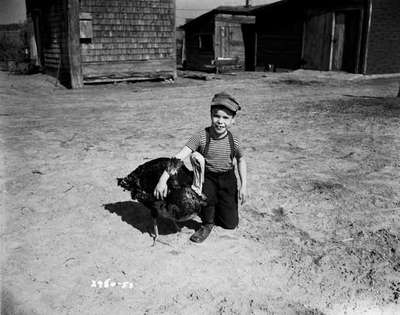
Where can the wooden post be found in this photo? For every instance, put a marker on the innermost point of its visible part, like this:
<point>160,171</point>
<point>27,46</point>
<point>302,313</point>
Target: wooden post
<point>398,94</point>
<point>73,44</point>
<point>33,54</point>
<point>367,34</point>
<point>175,73</point>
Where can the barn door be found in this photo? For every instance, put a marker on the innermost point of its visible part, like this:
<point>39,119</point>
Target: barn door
<point>317,40</point>
<point>346,41</point>
<point>225,39</point>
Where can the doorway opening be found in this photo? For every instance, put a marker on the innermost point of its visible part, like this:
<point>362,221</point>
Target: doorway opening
<point>249,39</point>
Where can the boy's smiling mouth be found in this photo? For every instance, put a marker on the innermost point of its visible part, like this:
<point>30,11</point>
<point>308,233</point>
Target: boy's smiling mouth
<point>219,127</point>
<point>219,131</point>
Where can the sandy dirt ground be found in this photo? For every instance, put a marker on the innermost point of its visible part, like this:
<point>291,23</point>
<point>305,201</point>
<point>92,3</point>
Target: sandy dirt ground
<point>320,233</point>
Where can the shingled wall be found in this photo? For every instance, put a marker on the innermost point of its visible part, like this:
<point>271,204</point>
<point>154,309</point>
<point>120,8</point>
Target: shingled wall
<point>130,38</point>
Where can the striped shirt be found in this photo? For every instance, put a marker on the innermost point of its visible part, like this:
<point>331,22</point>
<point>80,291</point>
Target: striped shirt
<point>218,158</point>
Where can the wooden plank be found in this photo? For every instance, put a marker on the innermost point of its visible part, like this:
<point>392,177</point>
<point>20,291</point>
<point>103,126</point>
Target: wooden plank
<point>85,16</point>
<point>134,77</point>
<point>53,52</point>
<point>317,40</point>
<point>238,19</point>
<point>73,44</point>
<point>338,41</point>
<point>107,69</point>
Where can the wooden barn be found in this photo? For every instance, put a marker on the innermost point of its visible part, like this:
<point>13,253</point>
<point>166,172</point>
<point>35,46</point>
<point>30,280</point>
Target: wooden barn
<point>86,41</point>
<point>357,36</point>
<point>221,39</point>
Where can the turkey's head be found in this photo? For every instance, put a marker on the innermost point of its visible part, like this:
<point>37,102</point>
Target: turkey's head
<point>173,166</point>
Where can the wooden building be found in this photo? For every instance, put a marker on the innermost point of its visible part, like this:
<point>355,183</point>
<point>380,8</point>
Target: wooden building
<point>83,41</point>
<point>358,36</point>
<point>221,39</point>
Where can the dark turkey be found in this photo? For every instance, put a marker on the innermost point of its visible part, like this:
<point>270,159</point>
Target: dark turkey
<point>182,202</point>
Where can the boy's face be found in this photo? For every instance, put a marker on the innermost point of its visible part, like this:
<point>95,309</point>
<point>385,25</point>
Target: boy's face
<point>221,120</point>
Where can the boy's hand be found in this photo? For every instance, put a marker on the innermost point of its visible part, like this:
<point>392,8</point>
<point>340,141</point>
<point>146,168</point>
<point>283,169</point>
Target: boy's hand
<point>161,190</point>
<point>242,194</point>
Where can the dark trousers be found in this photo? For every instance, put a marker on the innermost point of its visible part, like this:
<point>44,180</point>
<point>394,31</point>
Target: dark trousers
<point>222,199</point>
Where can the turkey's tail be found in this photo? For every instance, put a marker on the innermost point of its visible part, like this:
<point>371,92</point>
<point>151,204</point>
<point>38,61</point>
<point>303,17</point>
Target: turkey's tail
<point>198,163</point>
<point>128,183</point>
<point>131,184</point>
<point>122,182</point>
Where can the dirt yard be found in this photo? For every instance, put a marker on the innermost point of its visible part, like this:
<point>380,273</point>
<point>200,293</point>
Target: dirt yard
<point>320,233</point>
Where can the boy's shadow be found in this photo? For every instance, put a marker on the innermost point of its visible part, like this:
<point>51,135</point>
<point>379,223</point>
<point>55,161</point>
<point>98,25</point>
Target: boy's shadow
<point>138,216</point>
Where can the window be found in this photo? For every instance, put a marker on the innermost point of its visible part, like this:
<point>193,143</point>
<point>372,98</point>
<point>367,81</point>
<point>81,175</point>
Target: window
<point>86,28</point>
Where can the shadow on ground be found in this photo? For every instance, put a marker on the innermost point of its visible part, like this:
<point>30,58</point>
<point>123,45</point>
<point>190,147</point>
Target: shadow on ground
<point>138,216</point>
<point>10,305</point>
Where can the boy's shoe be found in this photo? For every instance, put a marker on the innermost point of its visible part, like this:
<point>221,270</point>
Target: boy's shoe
<point>201,234</point>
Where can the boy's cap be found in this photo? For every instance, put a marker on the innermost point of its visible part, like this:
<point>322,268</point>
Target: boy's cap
<point>226,100</point>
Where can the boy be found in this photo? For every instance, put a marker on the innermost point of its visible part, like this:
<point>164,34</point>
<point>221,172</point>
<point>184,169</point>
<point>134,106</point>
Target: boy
<point>219,147</point>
